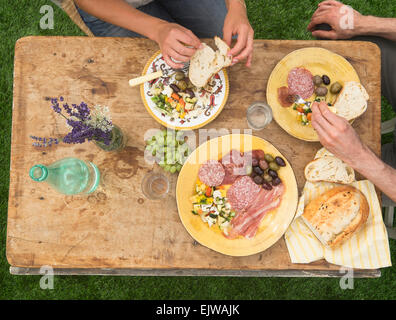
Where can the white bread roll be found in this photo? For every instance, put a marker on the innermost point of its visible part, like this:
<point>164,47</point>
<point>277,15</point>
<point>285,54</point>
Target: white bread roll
<point>206,62</point>
<point>352,101</point>
<point>336,215</point>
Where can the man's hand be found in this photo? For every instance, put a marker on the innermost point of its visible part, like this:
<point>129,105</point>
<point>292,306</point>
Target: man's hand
<point>237,23</point>
<point>330,12</point>
<point>336,134</point>
<point>173,40</point>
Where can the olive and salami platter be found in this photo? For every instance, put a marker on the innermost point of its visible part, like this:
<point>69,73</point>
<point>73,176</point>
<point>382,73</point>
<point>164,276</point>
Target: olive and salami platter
<point>312,74</point>
<point>239,201</point>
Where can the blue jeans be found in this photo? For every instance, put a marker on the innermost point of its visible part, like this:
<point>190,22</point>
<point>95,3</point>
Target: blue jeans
<point>205,18</point>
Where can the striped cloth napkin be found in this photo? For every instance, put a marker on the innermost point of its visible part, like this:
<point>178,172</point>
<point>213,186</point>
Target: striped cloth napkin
<point>367,249</point>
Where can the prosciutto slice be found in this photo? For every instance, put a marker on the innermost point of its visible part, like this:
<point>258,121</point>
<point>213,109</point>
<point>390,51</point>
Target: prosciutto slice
<point>248,220</point>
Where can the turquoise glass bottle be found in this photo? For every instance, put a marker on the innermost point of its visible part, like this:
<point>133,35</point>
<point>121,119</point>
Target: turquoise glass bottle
<point>68,176</point>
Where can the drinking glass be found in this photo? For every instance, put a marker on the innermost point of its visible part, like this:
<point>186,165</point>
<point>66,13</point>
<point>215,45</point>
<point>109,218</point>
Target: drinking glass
<point>155,185</point>
<point>259,115</point>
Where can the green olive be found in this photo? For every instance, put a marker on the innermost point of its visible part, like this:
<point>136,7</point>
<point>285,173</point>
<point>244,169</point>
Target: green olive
<point>179,76</point>
<point>335,88</point>
<point>268,158</point>
<point>273,166</point>
<point>267,177</point>
<point>182,85</point>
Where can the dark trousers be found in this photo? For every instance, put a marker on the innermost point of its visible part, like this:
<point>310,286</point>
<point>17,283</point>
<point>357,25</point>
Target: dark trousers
<point>205,18</point>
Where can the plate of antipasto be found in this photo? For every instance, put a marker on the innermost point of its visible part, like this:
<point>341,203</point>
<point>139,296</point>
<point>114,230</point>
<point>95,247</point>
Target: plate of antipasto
<point>191,97</point>
<point>236,194</point>
<point>313,74</point>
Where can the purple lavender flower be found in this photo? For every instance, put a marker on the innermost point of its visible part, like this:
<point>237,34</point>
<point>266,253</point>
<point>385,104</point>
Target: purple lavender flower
<point>84,127</point>
<point>55,105</point>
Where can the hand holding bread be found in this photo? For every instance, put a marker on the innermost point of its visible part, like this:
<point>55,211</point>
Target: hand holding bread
<point>206,62</point>
<point>336,134</point>
<point>177,44</point>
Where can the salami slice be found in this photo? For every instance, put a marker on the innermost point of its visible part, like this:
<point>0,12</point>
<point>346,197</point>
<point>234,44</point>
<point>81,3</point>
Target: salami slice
<point>300,82</point>
<point>242,193</point>
<point>285,98</point>
<point>211,173</point>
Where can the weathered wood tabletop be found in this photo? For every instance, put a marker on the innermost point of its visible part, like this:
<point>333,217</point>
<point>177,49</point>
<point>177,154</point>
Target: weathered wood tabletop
<point>117,230</point>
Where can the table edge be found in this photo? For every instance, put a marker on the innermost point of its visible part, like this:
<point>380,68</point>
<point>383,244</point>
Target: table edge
<point>292,273</point>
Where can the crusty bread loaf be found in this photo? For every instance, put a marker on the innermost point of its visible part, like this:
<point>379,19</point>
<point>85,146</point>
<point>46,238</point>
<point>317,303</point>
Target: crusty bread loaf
<point>206,62</point>
<point>329,169</point>
<point>336,215</point>
<point>352,101</point>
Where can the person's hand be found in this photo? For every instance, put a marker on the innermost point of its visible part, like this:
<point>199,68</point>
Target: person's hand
<point>237,23</point>
<point>336,134</point>
<point>332,12</point>
<point>177,44</point>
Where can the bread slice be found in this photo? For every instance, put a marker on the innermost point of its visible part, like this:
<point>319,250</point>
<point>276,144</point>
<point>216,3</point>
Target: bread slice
<point>352,101</point>
<point>323,153</point>
<point>206,62</point>
<point>329,169</point>
<point>336,215</point>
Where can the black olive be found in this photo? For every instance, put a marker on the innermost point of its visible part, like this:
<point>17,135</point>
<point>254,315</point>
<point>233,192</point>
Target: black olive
<point>263,164</point>
<point>276,181</point>
<point>280,162</point>
<point>258,180</point>
<point>255,162</point>
<point>190,93</point>
<point>326,80</point>
<point>273,173</point>
<point>267,186</point>
<point>258,170</point>
<point>174,87</point>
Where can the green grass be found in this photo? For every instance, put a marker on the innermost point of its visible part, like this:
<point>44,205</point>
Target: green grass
<point>271,19</point>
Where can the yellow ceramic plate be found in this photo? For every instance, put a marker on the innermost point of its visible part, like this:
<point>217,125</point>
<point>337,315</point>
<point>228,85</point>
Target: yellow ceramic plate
<point>212,108</point>
<point>318,61</point>
<point>274,224</point>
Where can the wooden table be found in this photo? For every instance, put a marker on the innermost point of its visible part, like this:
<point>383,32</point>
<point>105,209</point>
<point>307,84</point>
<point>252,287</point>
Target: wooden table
<point>116,230</point>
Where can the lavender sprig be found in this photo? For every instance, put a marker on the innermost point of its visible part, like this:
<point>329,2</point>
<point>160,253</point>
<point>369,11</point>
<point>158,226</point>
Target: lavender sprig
<point>85,126</point>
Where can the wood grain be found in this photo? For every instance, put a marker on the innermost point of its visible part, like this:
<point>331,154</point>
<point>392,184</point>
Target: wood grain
<point>116,227</point>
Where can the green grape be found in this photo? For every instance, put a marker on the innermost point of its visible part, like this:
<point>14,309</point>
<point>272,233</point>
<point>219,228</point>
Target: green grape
<point>167,168</point>
<point>173,169</point>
